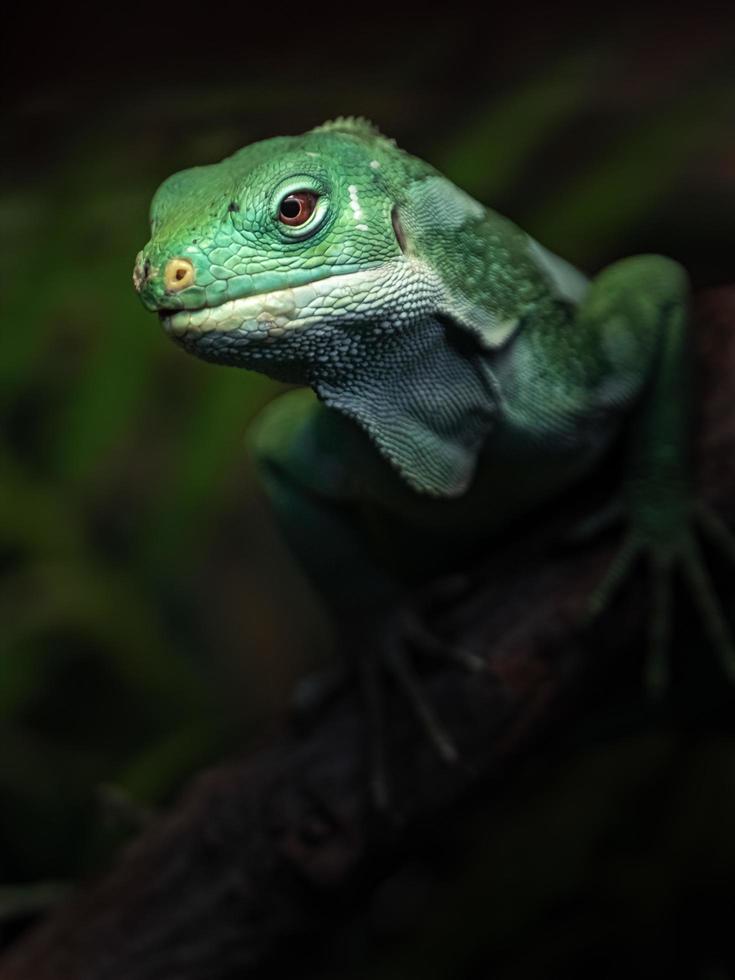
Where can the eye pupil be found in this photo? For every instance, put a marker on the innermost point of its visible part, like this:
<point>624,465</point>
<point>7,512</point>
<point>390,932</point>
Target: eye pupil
<point>295,209</point>
<point>291,208</point>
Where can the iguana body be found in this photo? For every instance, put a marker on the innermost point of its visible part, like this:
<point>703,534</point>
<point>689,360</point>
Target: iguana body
<point>461,375</point>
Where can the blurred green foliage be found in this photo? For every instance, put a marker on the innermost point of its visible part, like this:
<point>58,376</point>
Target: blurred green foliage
<point>151,619</point>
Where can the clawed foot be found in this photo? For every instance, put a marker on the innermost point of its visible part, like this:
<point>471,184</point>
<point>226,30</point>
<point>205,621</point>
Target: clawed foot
<point>675,550</point>
<point>398,641</point>
<point>388,645</point>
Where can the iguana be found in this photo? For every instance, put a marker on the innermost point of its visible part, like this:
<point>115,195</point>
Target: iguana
<point>457,374</point>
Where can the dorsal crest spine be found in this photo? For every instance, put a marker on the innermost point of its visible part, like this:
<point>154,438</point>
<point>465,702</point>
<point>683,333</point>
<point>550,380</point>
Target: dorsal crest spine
<point>353,126</point>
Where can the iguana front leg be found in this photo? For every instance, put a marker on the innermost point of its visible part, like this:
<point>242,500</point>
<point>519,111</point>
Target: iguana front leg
<point>648,296</point>
<point>315,466</point>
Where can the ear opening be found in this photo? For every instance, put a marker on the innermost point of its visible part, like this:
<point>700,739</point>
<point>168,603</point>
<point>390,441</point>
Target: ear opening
<point>398,228</point>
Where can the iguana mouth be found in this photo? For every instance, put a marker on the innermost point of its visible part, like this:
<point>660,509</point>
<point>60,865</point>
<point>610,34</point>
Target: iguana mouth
<point>259,316</point>
<point>271,314</point>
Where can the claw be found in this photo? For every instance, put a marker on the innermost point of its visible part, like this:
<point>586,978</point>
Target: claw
<point>431,645</point>
<point>595,524</point>
<point>709,607</point>
<point>656,670</point>
<point>622,564</point>
<point>373,695</point>
<point>401,668</point>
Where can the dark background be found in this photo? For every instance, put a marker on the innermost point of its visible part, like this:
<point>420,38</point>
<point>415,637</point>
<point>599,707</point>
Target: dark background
<point>151,619</point>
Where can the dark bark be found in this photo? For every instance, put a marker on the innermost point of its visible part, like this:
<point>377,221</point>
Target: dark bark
<point>265,851</point>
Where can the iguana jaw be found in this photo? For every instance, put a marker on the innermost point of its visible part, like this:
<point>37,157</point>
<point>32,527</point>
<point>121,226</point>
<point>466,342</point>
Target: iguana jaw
<point>266,317</point>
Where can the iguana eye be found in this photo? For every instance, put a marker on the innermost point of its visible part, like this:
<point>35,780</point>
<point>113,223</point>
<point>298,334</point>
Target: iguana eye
<point>296,209</point>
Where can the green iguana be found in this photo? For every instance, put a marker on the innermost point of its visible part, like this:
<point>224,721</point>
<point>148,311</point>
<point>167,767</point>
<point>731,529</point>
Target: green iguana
<point>460,374</point>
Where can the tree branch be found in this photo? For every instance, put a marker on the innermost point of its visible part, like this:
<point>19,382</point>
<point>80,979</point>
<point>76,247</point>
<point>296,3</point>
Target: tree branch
<point>279,845</point>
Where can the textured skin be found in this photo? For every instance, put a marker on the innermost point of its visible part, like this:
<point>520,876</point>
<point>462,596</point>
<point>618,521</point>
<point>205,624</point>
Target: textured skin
<point>463,374</point>
<point>404,343</point>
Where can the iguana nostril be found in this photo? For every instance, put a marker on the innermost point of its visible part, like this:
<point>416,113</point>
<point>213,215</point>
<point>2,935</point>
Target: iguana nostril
<point>178,274</point>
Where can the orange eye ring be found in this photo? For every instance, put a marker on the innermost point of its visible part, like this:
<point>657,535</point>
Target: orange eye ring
<point>296,209</point>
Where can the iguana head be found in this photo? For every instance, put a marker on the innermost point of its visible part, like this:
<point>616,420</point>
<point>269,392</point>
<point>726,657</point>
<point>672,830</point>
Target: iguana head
<point>277,257</point>
<point>335,259</point>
